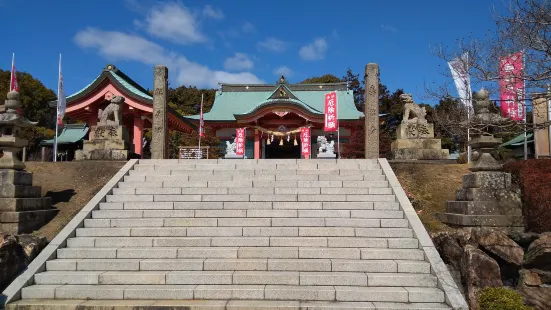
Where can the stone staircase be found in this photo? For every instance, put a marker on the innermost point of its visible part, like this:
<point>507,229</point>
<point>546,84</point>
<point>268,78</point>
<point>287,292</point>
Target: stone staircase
<point>244,234</point>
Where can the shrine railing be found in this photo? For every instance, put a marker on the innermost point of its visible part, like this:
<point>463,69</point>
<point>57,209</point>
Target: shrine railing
<point>193,152</point>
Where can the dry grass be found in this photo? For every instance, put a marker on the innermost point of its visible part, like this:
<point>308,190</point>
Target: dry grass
<point>431,185</point>
<point>71,185</point>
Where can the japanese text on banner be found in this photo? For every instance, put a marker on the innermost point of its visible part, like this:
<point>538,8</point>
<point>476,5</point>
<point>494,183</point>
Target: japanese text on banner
<point>240,141</point>
<point>331,120</point>
<point>305,141</point>
<point>511,87</point>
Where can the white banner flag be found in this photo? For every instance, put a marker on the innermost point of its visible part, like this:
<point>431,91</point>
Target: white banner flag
<point>460,73</point>
<point>61,102</point>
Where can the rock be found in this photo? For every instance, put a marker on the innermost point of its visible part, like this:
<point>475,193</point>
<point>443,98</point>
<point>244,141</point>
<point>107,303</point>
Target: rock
<point>539,254</point>
<point>447,245</point>
<point>536,297</point>
<point>497,242</point>
<point>16,252</point>
<point>523,239</point>
<point>529,278</point>
<point>478,271</point>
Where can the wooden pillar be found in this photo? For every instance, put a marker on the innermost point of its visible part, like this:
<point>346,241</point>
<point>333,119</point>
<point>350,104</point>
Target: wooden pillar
<point>93,119</point>
<point>256,144</point>
<point>138,135</point>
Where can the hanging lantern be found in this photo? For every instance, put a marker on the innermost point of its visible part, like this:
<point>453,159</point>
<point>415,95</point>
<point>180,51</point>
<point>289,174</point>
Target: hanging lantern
<point>288,137</point>
<point>268,141</point>
<point>281,141</point>
<point>272,138</point>
<point>295,143</point>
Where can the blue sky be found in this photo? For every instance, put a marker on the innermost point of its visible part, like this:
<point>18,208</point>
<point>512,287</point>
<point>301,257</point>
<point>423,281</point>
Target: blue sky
<point>238,41</point>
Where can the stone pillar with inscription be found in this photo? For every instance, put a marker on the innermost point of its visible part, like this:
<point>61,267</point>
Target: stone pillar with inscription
<point>159,139</point>
<point>371,111</point>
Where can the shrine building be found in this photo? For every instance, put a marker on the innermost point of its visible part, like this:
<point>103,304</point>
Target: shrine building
<point>274,114</point>
<point>137,110</point>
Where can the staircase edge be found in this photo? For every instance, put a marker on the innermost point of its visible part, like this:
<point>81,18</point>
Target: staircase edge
<point>445,281</point>
<point>13,291</point>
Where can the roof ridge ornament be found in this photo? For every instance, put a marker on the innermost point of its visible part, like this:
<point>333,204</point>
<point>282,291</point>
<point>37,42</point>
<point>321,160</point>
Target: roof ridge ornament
<point>282,80</point>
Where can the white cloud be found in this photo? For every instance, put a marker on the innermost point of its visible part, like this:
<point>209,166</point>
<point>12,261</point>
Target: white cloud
<point>115,45</point>
<point>315,50</point>
<point>389,28</point>
<point>283,70</point>
<point>272,44</point>
<point>213,13</point>
<point>248,28</point>
<point>239,61</point>
<point>173,22</point>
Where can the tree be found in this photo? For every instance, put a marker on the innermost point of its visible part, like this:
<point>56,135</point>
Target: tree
<point>524,26</point>
<point>353,81</point>
<point>328,78</point>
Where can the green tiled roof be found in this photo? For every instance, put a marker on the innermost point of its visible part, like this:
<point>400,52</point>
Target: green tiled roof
<point>243,99</point>
<point>71,133</point>
<point>519,140</point>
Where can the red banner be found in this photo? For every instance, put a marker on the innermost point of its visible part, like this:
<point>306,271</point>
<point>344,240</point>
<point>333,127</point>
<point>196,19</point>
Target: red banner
<point>511,86</point>
<point>331,121</point>
<point>305,140</point>
<point>240,141</point>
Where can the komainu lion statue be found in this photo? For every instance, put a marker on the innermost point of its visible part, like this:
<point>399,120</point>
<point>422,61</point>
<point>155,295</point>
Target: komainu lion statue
<point>112,115</point>
<point>409,107</point>
<point>230,147</point>
<point>324,146</point>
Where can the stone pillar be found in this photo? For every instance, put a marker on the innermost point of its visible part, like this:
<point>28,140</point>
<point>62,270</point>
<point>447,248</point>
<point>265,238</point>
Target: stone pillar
<point>256,144</point>
<point>138,135</point>
<point>159,139</point>
<point>371,111</point>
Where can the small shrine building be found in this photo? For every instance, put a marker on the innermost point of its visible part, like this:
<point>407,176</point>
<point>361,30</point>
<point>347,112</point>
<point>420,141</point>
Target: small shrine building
<point>274,114</point>
<point>138,105</point>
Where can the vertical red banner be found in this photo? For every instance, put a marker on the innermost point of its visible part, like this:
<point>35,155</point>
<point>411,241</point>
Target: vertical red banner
<point>511,86</point>
<point>240,141</point>
<point>331,121</point>
<point>305,140</point>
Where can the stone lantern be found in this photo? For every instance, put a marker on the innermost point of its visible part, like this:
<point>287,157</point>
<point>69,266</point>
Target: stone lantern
<point>10,127</point>
<point>487,197</point>
<point>22,207</point>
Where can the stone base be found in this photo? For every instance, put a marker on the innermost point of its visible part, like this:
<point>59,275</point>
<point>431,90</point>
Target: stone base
<point>234,156</point>
<point>487,199</point>
<point>22,208</point>
<point>106,143</point>
<point>419,154</point>
<point>325,155</point>
<point>511,223</point>
<point>434,144</point>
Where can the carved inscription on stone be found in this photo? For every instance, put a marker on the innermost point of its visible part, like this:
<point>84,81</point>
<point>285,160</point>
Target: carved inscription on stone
<point>159,141</point>
<point>372,111</point>
<point>417,131</point>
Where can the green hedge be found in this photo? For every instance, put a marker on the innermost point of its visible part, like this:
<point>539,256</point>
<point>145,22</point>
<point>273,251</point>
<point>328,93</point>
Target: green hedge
<point>533,177</point>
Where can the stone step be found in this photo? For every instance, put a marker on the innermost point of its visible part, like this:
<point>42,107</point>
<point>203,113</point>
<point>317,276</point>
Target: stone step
<point>236,278</point>
<point>246,292</point>
<point>178,181</point>
<point>252,197</point>
<point>247,222</point>
<point>220,305</point>
<point>332,242</point>
<point>255,205</point>
<point>241,252</point>
<point>245,231</point>
<point>251,190</point>
<point>240,264</point>
<point>248,213</point>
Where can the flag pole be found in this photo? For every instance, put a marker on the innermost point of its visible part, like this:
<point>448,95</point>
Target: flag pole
<point>524,105</point>
<point>338,128</point>
<point>12,73</point>
<point>201,128</point>
<point>57,112</point>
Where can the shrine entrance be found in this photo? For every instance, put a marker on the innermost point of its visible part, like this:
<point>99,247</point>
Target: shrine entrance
<point>282,149</point>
